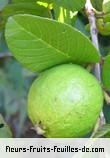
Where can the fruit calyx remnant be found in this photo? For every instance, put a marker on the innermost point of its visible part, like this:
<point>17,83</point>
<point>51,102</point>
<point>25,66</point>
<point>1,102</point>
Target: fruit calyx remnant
<point>40,130</point>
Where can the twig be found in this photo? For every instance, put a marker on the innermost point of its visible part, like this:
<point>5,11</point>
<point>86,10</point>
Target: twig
<point>107,98</point>
<point>95,128</point>
<point>94,36</point>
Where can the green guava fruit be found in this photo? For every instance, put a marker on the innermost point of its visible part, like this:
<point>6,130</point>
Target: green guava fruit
<point>106,6</point>
<point>65,101</point>
<point>103,27</point>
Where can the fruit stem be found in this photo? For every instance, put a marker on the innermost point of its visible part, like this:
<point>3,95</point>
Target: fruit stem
<point>94,35</point>
<point>38,129</point>
<point>95,128</point>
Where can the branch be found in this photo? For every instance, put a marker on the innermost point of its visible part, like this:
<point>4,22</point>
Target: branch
<point>94,35</point>
<point>92,21</point>
<point>107,98</point>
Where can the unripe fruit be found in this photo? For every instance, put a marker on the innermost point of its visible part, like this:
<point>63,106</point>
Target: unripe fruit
<point>97,4</point>
<point>65,101</point>
<point>106,6</point>
<point>103,27</point>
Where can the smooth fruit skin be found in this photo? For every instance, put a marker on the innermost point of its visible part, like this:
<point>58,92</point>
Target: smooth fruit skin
<point>66,101</point>
<point>106,6</point>
<point>103,27</point>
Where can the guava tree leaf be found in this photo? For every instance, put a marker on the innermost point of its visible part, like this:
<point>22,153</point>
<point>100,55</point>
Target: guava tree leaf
<point>74,5</point>
<point>40,43</point>
<point>22,8</point>
<point>4,129</point>
<point>106,72</point>
<point>103,131</point>
<point>97,4</point>
<point>64,15</point>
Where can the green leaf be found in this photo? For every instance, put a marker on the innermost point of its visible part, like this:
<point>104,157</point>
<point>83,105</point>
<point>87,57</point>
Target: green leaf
<point>40,43</point>
<point>22,1</point>
<point>4,129</point>
<point>64,15</point>
<point>46,1</point>
<point>106,72</point>
<point>22,8</point>
<point>97,4</point>
<point>103,131</point>
<point>74,5</point>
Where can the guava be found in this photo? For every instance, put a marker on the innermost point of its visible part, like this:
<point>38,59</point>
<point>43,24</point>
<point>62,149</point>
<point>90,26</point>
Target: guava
<point>106,6</point>
<point>103,27</point>
<point>65,101</point>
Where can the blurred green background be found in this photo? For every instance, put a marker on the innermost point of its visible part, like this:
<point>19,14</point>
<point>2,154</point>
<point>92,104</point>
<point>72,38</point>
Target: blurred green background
<point>14,84</point>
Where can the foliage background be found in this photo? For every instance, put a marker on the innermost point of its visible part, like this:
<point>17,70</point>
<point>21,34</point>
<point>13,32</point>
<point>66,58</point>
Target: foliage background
<point>16,80</point>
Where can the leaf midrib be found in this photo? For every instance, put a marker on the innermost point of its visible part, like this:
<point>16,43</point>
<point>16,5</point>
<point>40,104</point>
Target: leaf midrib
<point>40,39</point>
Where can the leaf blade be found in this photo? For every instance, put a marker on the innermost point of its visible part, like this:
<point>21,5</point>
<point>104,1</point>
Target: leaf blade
<point>24,8</point>
<point>50,43</point>
<point>74,5</point>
